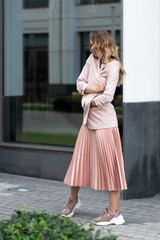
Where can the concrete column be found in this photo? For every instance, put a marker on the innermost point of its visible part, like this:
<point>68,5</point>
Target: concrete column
<point>69,46</point>
<point>141,87</point>
<point>55,41</point>
<point>13,70</point>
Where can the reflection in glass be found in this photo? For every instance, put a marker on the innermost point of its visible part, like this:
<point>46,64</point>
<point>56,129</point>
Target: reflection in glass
<point>47,118</point>
<point>44,54</point>
<point>35,3</point>
<point>98,1</point>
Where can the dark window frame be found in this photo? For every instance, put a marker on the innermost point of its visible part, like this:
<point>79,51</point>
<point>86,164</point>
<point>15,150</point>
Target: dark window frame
<point>1,67</point>
<point>86,2</point>
<point>28,6</point>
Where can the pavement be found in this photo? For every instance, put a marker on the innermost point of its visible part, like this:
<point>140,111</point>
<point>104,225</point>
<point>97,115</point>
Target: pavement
<point>142,215</point>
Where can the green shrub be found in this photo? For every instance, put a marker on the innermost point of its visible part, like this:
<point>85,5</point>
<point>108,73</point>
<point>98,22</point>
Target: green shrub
<point>158,194</point>
<point>26,225</point>
<point>45,138</point>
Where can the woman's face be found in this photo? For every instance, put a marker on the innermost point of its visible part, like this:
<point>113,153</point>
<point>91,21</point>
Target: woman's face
<point>93,48</point>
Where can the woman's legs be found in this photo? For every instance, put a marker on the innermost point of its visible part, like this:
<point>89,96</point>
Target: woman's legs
<point>114,198</point>
<point>74,192</point>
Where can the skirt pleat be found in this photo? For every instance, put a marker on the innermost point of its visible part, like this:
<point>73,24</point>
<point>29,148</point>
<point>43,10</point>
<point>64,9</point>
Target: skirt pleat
<point>97,160</point>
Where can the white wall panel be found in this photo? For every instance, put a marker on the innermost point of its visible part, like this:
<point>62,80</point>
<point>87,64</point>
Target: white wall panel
<point>141,50</point>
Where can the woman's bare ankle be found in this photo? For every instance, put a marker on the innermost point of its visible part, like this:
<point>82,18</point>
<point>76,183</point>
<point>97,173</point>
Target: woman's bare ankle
<point>114,210</point>
<point>74,197</point>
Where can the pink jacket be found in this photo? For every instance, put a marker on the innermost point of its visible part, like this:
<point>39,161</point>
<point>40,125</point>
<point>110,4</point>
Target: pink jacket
<point>103,115</point>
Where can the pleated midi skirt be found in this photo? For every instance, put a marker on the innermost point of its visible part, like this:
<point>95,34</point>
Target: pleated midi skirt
<point>97,160</point>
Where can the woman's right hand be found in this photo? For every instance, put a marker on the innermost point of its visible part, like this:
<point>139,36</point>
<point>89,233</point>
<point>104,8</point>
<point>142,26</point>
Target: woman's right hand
<point>95,88</point>
<point>101,87</point>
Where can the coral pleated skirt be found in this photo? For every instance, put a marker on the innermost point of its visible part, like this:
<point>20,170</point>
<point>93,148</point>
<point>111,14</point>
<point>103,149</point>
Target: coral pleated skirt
<point>97,160</point>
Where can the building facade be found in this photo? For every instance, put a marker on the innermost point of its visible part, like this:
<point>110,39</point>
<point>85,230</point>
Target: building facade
<point>43,47</point>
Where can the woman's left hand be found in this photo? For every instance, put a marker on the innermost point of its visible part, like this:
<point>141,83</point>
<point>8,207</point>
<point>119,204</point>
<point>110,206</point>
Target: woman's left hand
<point>93,103</point>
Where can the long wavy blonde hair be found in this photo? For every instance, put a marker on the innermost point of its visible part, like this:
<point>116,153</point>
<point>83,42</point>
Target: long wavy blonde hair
<point>107,51</point>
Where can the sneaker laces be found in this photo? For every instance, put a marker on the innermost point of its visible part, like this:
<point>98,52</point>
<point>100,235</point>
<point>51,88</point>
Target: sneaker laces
<point>69,203</point>
<point>105,212</point>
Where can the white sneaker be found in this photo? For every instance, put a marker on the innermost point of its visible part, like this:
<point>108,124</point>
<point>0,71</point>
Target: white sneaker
<point>71,205</point>
<point>108,218</point>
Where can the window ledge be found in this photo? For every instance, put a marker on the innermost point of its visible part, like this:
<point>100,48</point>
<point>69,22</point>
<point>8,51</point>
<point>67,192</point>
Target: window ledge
<point>36,147</point>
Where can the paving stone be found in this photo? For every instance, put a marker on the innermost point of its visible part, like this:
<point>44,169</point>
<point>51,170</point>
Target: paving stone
<point>141,215</point>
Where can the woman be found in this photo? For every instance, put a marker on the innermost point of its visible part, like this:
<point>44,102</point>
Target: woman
<point>97,160</point>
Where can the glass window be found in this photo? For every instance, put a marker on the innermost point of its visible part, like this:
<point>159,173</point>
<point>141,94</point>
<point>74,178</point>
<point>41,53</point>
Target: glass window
<point>43,56</point>
<point>35,68</point>
<point>98,1</point>
<point>35,3</point>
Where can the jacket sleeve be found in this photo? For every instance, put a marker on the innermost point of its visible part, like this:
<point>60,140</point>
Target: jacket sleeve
<point>82,81</point>
<point>112,80</point>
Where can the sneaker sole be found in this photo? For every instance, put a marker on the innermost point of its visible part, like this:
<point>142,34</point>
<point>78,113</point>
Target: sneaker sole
<point>116,220</point>
<point>76,207</point>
